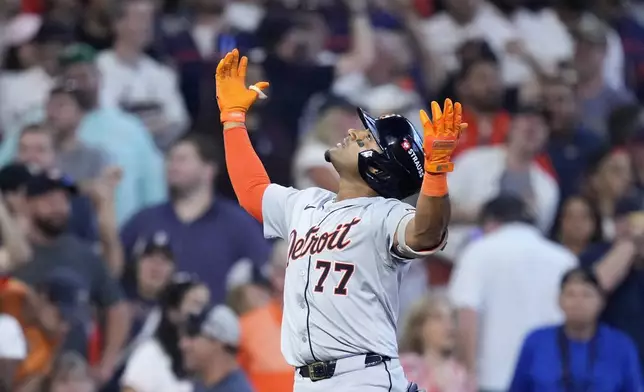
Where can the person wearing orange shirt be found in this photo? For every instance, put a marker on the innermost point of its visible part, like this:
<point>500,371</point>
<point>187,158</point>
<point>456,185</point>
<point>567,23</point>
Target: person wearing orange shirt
<point>45,315</point>
<point>259,354</point>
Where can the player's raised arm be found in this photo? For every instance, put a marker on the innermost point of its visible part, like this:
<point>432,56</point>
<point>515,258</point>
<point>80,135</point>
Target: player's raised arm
<point>247,174</point>
<point>428,229</point>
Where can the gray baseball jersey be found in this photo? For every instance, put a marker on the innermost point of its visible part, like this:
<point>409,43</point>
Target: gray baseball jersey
<point>342,279</point>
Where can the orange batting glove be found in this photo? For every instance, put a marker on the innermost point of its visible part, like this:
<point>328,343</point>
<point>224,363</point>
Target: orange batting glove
<point>440,139</point>
<point>233,97</point>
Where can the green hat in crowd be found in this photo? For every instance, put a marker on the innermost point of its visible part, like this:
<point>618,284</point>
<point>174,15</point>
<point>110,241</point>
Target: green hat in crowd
<point>77,53</point>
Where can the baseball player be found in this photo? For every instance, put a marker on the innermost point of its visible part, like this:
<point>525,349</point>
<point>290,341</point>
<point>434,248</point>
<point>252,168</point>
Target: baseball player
<point>347,251</point>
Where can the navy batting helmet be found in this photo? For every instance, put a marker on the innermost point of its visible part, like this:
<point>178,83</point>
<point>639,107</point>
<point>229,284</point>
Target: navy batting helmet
<point>396,172</point>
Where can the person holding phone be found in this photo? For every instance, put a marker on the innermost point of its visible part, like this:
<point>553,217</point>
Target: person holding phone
<point>620,271</point>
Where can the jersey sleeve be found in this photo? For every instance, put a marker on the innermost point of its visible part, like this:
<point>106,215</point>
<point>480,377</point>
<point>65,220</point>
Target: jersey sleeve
<point>278,203</point>
<point>387,217</point>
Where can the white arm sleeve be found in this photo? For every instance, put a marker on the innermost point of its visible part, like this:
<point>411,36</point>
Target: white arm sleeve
<point>277,206</point>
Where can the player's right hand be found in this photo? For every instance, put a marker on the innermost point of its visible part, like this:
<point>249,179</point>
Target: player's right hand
<point>441,135</point>
<point>233,97</point>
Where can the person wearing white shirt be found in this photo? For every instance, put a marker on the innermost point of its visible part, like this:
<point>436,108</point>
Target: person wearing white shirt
<point>482,173</point>
<point>13,350</point>
<point>138,83</point>
<point>504,285</point>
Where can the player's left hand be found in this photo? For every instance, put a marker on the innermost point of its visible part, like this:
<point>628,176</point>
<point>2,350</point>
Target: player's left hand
<point>233,97</point>
<point>441,135</point>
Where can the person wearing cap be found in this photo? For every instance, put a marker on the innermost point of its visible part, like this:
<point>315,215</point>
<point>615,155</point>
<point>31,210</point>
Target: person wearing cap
<point>46,312</point>
<point>47,195</point>
<point>597,98</point>
<point>503,286</point>
<point>309,167</point>
<point>157,364</point>
<point>581,353</point>
<point>514,167</point>
<point>210,344</point>
<point>619,266</point>
<point>121,135</point>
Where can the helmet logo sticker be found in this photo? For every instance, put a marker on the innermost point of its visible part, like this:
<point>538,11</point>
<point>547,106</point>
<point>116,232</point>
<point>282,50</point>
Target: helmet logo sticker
<point>414,158</point>
<point>405,144</point>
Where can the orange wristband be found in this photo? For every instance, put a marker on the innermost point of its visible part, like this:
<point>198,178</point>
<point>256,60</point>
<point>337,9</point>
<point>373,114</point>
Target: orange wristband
<point>434,185</point>
<point>233,117</point>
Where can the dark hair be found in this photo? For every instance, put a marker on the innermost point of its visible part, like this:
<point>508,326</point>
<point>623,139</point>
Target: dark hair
<point>204,145</point>
<point>12,59</point>
<point>506,208</point>
<point>167,332</point>
<point>586,275</point>
<point>598,232</point>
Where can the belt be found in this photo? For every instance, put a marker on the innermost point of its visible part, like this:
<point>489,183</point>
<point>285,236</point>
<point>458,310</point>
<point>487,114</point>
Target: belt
<point>323,370</point>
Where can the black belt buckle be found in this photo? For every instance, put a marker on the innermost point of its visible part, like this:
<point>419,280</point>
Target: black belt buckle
<point>318,371</point>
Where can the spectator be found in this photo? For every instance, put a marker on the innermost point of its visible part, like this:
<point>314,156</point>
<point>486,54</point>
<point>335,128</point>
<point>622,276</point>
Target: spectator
<point>570,146</point>
<point>49,209</point>
<point>94,27</point>
<point>578,225</point>
<point>571,13</point>
<point>482,173</point>
<point>210,346</point>
<point>480,91</point>
<point>25,84</point>
<point>290,63</point>
<point>596,96</point>
<point>200,224</point>
<point>334,118</point>
<point>582,353</point>
<point>428,345</point>
<point>259,348</point>
<point>157,364</point>
<point>618,265</point>
<point>65,111</point>
<point>36,152</point>
<point>505,285</point>
<point>71,373</point>
<point>128,144</point>
<point>636,151</point>
<point>13,350</point>
<point>148,90</point>
<point>46,314</point>
<point>609,179</point>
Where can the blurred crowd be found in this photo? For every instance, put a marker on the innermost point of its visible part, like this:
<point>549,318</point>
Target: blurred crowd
<point>127,264</point>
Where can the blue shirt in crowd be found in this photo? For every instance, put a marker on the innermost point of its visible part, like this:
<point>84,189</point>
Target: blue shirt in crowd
<point>234,382</point>
<point>615,369</point>
<point>210,246</point>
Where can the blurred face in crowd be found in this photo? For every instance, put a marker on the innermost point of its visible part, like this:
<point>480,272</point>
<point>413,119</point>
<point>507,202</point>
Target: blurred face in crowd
<point>64,114</point>
<point>50,212</point>
<point>332,125</point>
<point>581,302</point>
<point>395,58</point>
<point>482,88</point>
<point>186,171</point>
<point>199,352</point>
<point>36,147</point>
<point>528,134</point>
<point>85,77</point>
<point>561,104</point>
<point>73,383</point>
<point>438,328</point>
<point>577,221</point>
<point>344,156</point>
<point>613,176</point>
<point>136,25</point>
<point>589,59</point>
<point>154,272</point>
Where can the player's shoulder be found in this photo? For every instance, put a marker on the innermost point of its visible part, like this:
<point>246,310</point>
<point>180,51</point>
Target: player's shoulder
<point>300,197</point>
